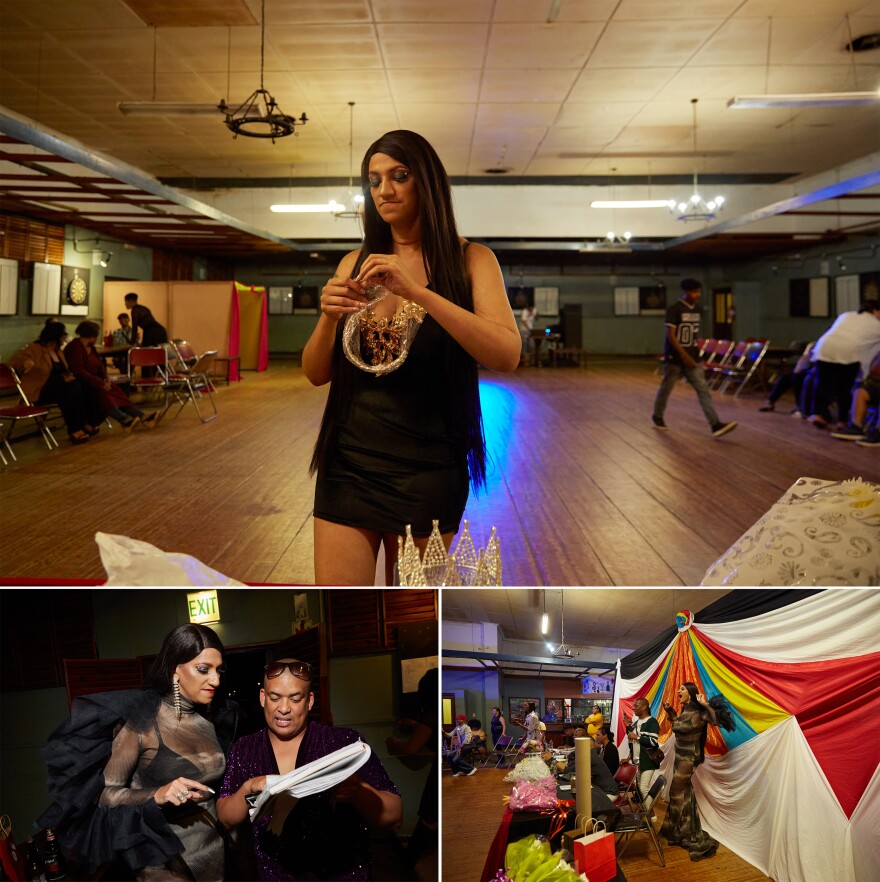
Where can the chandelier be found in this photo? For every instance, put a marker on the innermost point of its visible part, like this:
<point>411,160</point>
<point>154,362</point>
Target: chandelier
<point>696,209</point>
<point>354,202</point>
<point>259,115</point>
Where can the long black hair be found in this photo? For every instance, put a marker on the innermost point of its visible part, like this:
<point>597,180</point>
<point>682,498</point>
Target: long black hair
<point>722,715</point>
<point>444,264</point>
<point>181,645</point>
<point>52,332</point>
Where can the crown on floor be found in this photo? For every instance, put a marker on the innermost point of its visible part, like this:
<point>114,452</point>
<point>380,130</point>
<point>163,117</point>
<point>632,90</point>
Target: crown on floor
<point>465,566</point>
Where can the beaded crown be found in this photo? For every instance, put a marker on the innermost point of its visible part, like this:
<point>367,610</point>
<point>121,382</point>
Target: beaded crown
<point>466,566</point>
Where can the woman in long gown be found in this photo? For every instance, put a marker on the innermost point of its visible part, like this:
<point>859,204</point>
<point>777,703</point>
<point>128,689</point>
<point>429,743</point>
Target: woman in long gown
<point>133,773</point>
<point>681,826</point>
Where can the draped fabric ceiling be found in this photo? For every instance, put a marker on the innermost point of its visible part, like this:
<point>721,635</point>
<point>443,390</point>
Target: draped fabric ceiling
<point>795,788</point>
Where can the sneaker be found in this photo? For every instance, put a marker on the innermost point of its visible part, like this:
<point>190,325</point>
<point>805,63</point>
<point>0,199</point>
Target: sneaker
<point>659,424</point>
<point>851,433</point>
<point>767,408</point>
<point>471,772</point>
<point>457,774</point>
<point>132,424</point>
<point>151,420</point>
<point>872,439</point>
<point>720,429</point>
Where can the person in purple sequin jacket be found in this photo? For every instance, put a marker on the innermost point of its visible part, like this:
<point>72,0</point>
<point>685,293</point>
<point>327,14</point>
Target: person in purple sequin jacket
<point>321,837</point>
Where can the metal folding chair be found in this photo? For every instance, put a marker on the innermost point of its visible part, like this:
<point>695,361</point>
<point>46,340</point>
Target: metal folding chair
<point>629,825</point>
<point>626,777</point>
<point>155,357</point>
<point>743,371</point>
<point>190,381</point>
<point>24,411</point>
<point>499,751</point>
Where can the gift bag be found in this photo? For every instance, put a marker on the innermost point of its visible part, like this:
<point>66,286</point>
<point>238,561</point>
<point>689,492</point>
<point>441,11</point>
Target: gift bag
<point>580,829</point>
<point>11,856</point>
<point>595,856</point>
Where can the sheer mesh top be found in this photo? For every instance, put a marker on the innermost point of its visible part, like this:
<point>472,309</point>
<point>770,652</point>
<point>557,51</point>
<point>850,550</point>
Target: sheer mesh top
<point>142,762</point>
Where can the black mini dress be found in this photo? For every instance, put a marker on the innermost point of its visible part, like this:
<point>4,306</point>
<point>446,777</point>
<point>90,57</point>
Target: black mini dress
<point>397,460</point>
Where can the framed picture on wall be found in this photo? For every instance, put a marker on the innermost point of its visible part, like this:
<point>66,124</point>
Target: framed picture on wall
<point>520,297</point>
<point>46,289</point>
<point>626,301</point>
<point>652,300</point>
<point>8,286</point>
<point>280,301</point>
<point>553,712</point>
<point>519,708</point>
<point>306,300</point>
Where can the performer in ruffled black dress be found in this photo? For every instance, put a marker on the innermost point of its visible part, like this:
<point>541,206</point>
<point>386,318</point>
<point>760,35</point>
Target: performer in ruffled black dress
<point>132,773</point>
<point>681,826</point>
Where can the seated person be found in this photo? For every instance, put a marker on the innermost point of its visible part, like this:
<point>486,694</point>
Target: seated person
<point>122,337</point>
<point>793,380</point>
<point>866,395</point>
<point>88,366</point>
<point>568,736</point>
<point>601,777</point>
<point>323,836</point>
<point>607,749</point>
<point>46,379</point>
<point>460,739</point>
<point>478,737</point>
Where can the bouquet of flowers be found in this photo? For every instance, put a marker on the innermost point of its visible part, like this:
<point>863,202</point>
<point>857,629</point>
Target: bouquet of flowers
<point>530,860</point>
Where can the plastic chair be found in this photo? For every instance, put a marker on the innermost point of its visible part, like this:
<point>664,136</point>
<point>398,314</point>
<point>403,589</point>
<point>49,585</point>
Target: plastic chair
<point>24,411</point>
<point>639,821</point>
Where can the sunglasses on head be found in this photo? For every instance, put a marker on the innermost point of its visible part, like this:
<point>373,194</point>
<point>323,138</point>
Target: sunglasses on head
<point>300,669</point>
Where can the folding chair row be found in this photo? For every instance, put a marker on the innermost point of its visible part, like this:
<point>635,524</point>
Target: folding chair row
<point>629,825</point>
<point>745,368</point>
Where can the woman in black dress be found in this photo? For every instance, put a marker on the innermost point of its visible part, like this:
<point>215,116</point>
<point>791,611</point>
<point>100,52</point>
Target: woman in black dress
<point>681,826</point>
<point>133,773</point>
<point>498,725</point>
<point>399,447</point>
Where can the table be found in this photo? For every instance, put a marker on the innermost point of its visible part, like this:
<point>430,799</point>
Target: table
<point>230,360</point>
<point>536,339</point>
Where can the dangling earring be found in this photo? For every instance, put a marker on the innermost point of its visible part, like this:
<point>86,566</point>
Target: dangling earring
<point>177,709</point>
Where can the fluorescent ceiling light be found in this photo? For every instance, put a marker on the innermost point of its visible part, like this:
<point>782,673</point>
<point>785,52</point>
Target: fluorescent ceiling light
<point>807,99</point>
<point>601,248</point>
<point>630,203</point>
<point>545,623</point>
<point>168,108</point>
<point>326,207</point>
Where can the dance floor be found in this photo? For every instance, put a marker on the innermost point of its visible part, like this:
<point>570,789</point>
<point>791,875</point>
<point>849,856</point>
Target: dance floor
<point>582,489</point>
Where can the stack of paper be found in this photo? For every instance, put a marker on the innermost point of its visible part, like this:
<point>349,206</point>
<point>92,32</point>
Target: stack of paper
<point>316,776</point>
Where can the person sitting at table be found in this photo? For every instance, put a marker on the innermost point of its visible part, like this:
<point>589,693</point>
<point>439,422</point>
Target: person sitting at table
<point>88,366</point>
<point>122,337</point>
<point>47,379</point>
<point>607,749</point>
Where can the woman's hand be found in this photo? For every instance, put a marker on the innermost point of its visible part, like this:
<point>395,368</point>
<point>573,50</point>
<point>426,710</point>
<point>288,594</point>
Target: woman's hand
<point>69,378</point>
<point>341,296</point>
<point>388,270</point>
<point>253,786</point>
<point>179,791</point>
<point>27,364</point>
<point>701,699</point>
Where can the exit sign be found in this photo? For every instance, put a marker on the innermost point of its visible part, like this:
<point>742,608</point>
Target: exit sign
<point>203,607</point>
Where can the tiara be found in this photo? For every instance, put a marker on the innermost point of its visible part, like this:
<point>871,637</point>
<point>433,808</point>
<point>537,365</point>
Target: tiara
<point>464,566</point>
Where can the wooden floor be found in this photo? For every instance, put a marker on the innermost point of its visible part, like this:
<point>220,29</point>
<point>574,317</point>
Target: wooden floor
<point>472,811</point>
<point>582,489</point>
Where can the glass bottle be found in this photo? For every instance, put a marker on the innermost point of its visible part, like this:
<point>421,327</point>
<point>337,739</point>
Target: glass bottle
<point>55,869</point>
<point>34,868</point>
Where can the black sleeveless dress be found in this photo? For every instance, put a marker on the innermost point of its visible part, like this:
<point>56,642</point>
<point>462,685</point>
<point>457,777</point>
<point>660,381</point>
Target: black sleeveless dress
<point>397,460</point>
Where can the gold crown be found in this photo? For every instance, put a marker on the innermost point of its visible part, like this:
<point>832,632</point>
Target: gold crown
<point>464,566</point>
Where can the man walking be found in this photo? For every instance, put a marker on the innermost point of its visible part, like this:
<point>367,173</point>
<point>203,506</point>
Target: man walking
<point>680,353</point>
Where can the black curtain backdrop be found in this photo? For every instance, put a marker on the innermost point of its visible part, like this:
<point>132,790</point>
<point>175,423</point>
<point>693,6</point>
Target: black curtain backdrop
<point>740,604</point>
